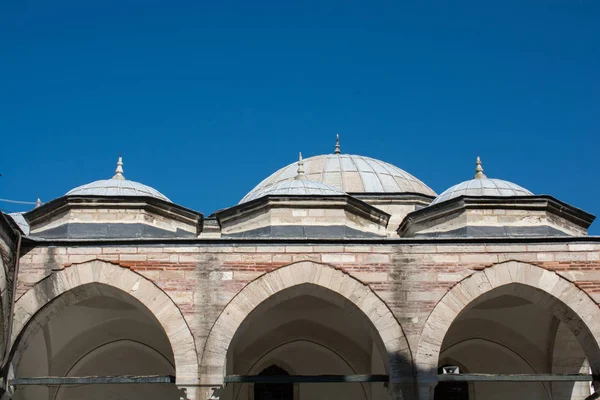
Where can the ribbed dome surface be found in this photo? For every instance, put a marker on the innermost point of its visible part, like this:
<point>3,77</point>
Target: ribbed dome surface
<point>350,174</point>
<point>483,187</point>
<point>116,187</point>
<point>296,187</point>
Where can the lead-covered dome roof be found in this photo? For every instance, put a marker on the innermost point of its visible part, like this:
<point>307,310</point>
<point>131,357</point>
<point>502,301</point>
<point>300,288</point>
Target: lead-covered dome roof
<point>300,185</point>
<point>350,174</point>
<point>481,185</point>
<point>116,186</point>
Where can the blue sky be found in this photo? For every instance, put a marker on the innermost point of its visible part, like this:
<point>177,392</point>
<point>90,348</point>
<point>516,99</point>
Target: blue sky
<point>205,99</point>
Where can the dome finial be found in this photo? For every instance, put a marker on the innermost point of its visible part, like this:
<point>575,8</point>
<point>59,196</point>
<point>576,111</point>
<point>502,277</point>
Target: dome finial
<point>337,144</point>
<point>479,170</point>
<point>119,170</point>
<point>38,203</point>
<point>300,168</point>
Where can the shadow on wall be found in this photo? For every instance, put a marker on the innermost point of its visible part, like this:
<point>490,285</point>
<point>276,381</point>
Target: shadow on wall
<point>94,329</point>
<point>309,318</point>
<point>511,318</point>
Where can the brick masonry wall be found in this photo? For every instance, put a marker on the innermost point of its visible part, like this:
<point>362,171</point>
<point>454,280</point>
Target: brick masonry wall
<point>411,279</point>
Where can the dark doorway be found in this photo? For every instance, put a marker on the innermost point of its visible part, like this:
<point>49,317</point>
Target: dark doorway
<point>451,390</point>
<point>273,391</point>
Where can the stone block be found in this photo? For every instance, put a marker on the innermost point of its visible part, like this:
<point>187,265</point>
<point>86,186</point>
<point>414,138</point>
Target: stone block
<point>256,258</point>
<point>81,258</point>
<point>171,274</point>
<point>119,250</point>
<point>181,296</point>
<point>324,276</point>
<point>368,277</point>
<point>545,256</point>
<point>193,258</point>
<point>220,275</point>
<point>334,258</point>
<point>506,248</point>
<point>298,249</point>
<point>270,249</point>
<point>547,247</point>
<point>547,281</point>
<point>583,247</point>
<point>443,248</point>
<point>84,250</point>
<point>328,249</point>
<point>482,259</point>
<point>449,277</point>
<point>282,258</point>
<point>246,275</point>
<point>570,256</point>
<point>182,249</point>
<point>375,259</point>
<point>132,257</point>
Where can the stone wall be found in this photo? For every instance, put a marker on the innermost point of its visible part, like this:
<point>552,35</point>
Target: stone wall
<point>410,279</point>
<point>203,278</point>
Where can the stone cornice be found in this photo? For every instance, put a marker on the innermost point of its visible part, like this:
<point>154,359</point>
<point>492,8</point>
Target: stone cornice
<point>41,242</point>
<point>151,204</point>
<point>533,203</point>
<point>394,197</point>
<point>346,202</point>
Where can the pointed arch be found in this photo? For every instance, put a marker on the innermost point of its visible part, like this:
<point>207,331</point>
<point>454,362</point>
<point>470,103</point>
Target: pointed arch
<point>399,358</point>
<point>130,283</point>
<point>565,300</point>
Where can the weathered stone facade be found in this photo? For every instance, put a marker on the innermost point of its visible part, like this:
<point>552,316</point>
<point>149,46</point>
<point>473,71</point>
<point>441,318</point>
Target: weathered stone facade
<point>417,282</point>
<point>376,284</point>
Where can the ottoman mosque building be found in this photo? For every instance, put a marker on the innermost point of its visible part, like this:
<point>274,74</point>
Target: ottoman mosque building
<point>337,277</point>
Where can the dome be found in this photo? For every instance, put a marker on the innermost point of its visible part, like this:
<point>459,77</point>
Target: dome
<point>296,187</point>
<point>481,185</point>
<point>116,186</point>
<point>349,173</point>
<point>299,186</point>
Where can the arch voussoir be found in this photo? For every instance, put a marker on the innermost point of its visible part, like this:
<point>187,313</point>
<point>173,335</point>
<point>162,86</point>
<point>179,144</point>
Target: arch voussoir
<point>568,302</point>
<point>58,289</point>
<point>274,282</point>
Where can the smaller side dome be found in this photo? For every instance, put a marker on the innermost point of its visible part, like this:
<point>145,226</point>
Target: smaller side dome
<point>481,185</point>
<point>300,186</point>
<point>116,186</point>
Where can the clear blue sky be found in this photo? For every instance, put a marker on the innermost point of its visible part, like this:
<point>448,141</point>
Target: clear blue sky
<point>205,99</point>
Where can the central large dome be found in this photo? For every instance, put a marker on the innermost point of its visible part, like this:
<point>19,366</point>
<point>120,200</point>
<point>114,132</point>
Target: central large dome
<point>351,174</point>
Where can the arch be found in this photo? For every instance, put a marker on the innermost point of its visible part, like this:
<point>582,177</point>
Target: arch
<point>74,369</point>
<point>568,303</point>
<point>145,291</point>
<point>399,358</point>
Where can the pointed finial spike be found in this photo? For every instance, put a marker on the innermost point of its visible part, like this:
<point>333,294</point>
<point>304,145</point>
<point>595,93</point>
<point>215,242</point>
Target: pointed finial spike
<point>38,203</point>
<point>479,169</point>
<point>119,170</point>
<point>300,167</point>
<point>337,144</point>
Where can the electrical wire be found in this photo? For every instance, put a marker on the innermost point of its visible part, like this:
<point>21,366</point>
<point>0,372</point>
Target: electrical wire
<point>18,201</point>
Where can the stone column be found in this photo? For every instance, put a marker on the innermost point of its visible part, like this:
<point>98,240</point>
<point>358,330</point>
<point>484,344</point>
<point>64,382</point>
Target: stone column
<point>426,384</point>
